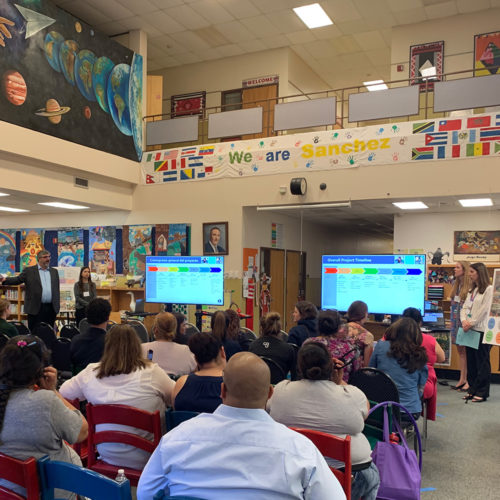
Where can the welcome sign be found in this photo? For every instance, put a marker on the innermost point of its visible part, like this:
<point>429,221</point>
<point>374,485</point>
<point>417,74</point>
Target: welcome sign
<point>406,142</point>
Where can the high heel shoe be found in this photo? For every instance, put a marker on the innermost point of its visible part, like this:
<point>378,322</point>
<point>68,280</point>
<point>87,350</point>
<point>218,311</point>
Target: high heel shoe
<point>457,387</point>
<point>467,397</point>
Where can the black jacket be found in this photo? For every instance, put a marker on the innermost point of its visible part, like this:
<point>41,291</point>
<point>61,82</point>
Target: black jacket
<point>305,328</point>
<point>87,347</point>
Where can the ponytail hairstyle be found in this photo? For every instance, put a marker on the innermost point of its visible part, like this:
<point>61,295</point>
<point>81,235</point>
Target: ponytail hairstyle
<point>329,322</point>
<point>314,361</point>
<point>270,324</point>
<point>219,324</point>
<point>22,362</point>
<point>307,310</point>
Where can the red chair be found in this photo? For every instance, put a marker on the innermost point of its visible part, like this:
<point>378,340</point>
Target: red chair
<point>123,415</point>
<point>24,473</point>
<point>333,447</point>
<point>80,448</point>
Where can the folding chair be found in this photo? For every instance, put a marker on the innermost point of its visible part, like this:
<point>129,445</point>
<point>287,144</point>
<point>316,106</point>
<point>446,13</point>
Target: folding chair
<point>3,340</point>
<point>68,331</point>
<point>174,417</point>
<point>277,372</point>
<point>23,473</point>
<point>22,329</point>
<point>46,333</point>
<point>69,477</point>
<point>333,447</point>
<point>123,415</point>
<point>140,329</point>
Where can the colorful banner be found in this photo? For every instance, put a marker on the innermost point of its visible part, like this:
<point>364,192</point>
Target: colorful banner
<point>137,244</point>
<point>70,248</point>
<point>171,239</point>
<point>406,142</point>
<point>102,250</point>
<point>31,244</point>
<point>492,331</point>
<point>7,251</point>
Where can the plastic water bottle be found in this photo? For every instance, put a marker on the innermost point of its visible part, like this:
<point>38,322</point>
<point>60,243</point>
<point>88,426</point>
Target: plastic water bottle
<point>120,477</point>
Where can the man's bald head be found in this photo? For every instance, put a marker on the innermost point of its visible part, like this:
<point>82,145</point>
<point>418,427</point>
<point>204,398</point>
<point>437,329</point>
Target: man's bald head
<point>247,381</point>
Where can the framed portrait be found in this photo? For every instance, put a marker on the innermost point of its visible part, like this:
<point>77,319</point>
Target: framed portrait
<point>188,104</point>
<point>215,238</point>
<point>426,64</point>
<point>487,54</point>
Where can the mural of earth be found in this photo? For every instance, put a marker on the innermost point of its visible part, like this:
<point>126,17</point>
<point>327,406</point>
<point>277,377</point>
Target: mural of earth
<point>118,97</point>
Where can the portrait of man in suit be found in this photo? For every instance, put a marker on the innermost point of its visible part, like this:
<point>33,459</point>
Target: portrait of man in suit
<point>215,238</point>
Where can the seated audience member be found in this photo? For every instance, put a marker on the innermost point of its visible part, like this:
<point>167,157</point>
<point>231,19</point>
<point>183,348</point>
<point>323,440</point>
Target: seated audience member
<point>434,354</point>
<point>5,327</point>
<point>269,345</point>
<point>356,316</point>
<point>180,332</point>
<point>322,402</point>
<point>200,391</point>
<point>239,451</point>
<point>305,315</point>
<point>88,347</point>
<point>403,358</point>
<point>122,377</point>
<point>234,331</point>
<point>228,338</point>
<point>34,423</point>
<point>174,358</point>
<point>339,344</point>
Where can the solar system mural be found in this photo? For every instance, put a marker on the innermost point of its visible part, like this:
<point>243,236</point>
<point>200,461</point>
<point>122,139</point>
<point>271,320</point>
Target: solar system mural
<point>60,77</point>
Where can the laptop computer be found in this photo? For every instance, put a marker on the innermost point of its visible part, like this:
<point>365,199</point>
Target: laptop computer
<point>433,319</point>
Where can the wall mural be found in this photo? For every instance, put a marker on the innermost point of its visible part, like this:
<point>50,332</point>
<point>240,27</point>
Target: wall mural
<point>60,77</point>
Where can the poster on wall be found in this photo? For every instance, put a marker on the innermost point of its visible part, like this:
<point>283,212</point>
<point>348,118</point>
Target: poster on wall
<point>171,239</point>
<point>31,244</point>
<point>188,104</point>
<point>68,276</point>
<point>477,245</point>
<point>426,64</point>
<point>492,331</point>
<point>102,250</point>
<point>7,251</point>
<point>63,78</point>
<point>136,245</point>
<point>487,54</point>
<point>70,250</point>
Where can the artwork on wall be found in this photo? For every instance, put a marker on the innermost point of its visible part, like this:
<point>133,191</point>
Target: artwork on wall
<point>188,104</point>
<point>7,251</point>
<point>492,331</point>
<point>136,245</point>
<point>63,78</point>
<point>426,64</point>
<point>172,239</point>
<point>102,250</point>
<point>215,238</point>
<point>487,54</point>
<point>70,248</point>
<point>471,244</point>
<point>31,244</point>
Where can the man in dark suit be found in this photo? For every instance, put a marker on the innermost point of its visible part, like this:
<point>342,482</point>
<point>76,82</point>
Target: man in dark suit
<point>213,246</point>
<point>41,293</point>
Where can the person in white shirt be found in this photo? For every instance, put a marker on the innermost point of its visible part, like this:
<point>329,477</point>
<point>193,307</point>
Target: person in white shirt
<point>122,377</point>
<point>239,451</point>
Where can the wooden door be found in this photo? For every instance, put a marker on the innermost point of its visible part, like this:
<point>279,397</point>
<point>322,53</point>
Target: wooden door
<point>263,97</point>
<point>292,289</point>
<point>277,287</point>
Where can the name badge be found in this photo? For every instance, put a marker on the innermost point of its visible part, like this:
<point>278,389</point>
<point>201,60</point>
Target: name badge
<point>86,294</point>
<point>457,298</point>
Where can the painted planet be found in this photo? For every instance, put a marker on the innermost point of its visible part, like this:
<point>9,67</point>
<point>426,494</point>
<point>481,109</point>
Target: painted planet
<point>84,67</point>
<point>52,47</point>
<point>67,55</point>
<point>117,91</point>
<point>53,111</point>
<point>87,112</point>
<point>14,87</point>
<point>135,102</point>
<point>78,27</point>
<point>102,69</point>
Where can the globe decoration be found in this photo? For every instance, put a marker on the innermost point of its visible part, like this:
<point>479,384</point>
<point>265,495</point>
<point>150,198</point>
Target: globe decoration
<point>67,55</point>
<point>118,101</point>
<point>52,47</point>
<point>135,102</point>
<point>84,67</point>
<point>102,69</point>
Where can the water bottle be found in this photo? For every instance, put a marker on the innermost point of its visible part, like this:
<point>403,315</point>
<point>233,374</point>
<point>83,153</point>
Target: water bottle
<point>120,477</point>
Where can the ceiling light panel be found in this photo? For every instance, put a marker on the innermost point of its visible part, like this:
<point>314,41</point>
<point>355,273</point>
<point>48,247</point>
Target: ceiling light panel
<point>313,16</point>
<point>476,202</point>
<point>375,85</point>
<point>57,204</point>
<point>410,205</point>
<point>12,209</point>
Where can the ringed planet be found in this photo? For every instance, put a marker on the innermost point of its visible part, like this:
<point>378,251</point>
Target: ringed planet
<point>53,111</point>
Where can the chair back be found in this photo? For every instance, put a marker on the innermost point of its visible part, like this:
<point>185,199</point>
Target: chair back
<point>3,340</point>
<point>140,329</point>
<point>283,335</point>
<point>68,331</point>
<point>61,358</point>
<point>248,333</point>
<point>22,329</point>
<point>333,447</point>
<point>84,482</point>
<point>190,331</point>
<point>174,417</point>
<point>46,333</point>
<point>122,415</point>
<point>277,372</point>
<point>23,473</point>
<point>84,325</point>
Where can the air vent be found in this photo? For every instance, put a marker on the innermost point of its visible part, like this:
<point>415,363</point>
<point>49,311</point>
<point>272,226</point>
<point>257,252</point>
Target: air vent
<point>80,182</point>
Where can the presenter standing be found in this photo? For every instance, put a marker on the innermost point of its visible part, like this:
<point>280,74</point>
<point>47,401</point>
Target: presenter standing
<point>85,291</point>
<point>41,298</point>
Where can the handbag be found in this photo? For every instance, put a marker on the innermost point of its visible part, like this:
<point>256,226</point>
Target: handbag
<point>469,338</point>
<point>399,468</point>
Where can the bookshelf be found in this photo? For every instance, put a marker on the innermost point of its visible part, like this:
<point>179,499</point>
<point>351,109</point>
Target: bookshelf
<point>15,295</point>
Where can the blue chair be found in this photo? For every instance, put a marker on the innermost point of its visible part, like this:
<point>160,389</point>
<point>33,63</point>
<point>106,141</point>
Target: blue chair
<point>173,418</point>
<point>161,495</point>
<point>69,477</point>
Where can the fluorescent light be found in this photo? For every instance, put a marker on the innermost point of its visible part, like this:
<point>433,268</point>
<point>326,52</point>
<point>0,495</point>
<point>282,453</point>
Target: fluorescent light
<point>477,202</point>
<point>12,209</point>
<point>340,204</point>
<point>4,194</point>
<point>375,85</point>
<point>410,205</point>
<point>313,16</point>
<point>58,204</point>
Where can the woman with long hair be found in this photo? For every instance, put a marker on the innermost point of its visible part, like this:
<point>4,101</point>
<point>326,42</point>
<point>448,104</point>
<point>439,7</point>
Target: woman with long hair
<point>473,316</point>
<point>34,423</point>
<point>200,391</point>
<point>270,345</point>
<point>305,314</point>
<point>234,331</point>
<point>85,291</point>
<point>227,337</point>
<point>458,295</point>
<point>403,358</point>
<point>356,316</point>
<point>322,401</point>
<point>124,377</point>
<point>180,331</point>
<point>175,359</point>
<point>5,327</point>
